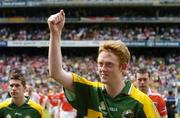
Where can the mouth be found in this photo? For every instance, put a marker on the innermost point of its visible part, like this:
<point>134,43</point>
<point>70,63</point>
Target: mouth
<point>142,86</point>
<point>104,78</point>
<point>103,74</point>
<point>13,93</point>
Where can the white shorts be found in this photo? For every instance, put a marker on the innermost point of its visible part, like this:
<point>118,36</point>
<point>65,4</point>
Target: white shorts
<point>67,114</point>
<point>54,110</point>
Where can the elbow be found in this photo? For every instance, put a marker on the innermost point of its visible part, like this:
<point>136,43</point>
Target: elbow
<point>55,73</point>
<point>51,75</point>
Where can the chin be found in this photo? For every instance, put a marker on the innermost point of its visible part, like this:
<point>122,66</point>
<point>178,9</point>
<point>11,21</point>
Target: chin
<point>14,97</point>
<point>143,90</point>
<point>103,81</point>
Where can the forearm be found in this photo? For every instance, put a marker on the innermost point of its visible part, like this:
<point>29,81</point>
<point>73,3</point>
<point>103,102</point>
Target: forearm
<point>55,56</point>
<point>55,62</point>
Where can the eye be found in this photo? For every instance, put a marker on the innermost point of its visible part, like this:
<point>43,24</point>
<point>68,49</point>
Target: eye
<point>142,79</point>
<point>109,64</point>
<point>16,85</point>
<point>100,64</point>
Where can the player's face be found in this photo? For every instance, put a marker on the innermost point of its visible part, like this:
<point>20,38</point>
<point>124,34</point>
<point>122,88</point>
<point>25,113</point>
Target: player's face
<point>16,89</point>
<point>143,82</point>
<point>108,67</point>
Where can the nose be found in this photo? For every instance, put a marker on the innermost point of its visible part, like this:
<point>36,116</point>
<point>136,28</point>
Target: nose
<point>142,81</point>
<point>13,88</point>
<point>103,68</point>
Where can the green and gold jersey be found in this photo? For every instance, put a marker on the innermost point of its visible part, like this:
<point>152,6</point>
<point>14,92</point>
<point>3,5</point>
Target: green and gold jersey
<point>91,99</point>
<point>29,109</point>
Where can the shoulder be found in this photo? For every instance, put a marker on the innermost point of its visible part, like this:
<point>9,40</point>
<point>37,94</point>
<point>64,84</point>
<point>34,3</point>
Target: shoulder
<point>141,96</point>
<point>148,106</point>
<point>5,103</point>
<point>155,94</point>
<point>34,105</point>
<point>81,80</point>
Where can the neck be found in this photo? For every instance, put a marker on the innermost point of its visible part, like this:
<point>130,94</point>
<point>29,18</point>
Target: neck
<point>30,93</point>
<point>114,90</point>
<point>19,101</point>
<point>147,91</point>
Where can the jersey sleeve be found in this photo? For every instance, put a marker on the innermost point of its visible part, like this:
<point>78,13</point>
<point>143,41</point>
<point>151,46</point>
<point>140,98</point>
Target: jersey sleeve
<point>36,107</point>
<point>148,107</point>
<point>79,98</point>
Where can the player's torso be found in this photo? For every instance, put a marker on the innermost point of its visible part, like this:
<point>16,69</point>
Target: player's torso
<point>119,107</point>
<point>19,112</point>
<point>54,99</point>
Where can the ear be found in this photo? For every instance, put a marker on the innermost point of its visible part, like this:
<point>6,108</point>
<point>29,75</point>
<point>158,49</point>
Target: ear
<point>124,66</point>
<point>25,87</point>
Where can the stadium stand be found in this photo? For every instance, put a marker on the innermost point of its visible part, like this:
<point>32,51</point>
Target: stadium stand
<point>150,28</point>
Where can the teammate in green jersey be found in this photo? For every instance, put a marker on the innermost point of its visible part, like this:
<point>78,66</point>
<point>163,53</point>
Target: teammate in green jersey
<point>19,106</point>
<point>113,97</point>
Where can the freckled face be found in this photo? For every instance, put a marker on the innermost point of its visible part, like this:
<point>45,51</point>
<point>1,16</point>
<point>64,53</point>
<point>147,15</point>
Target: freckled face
<point>108,67</point>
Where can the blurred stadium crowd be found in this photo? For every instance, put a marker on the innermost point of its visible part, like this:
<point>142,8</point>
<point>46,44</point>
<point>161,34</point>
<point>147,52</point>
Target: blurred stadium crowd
<point>165,70</point>
<point>95,32</point>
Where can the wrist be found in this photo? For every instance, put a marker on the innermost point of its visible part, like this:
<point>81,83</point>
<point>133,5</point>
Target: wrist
<point>55,34</point>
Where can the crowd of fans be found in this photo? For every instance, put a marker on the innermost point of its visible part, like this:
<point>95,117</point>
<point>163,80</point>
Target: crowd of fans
<point>48,93</point>
<point>94,32</point>
<point>165,71</point>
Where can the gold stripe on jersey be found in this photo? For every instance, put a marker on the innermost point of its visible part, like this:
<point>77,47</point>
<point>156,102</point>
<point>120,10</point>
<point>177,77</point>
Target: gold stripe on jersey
<point>94,114</point>
<point>5,103</point>
<point>36,106</point>
<point>87,82</point>
<point>146,101</point>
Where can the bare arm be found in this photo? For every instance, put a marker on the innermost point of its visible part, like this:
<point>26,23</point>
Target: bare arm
<point>56,24</point>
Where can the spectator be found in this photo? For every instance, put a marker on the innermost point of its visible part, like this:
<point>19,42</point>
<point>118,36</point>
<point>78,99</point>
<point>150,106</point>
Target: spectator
<point>31,93</point>
<point>170,103</point>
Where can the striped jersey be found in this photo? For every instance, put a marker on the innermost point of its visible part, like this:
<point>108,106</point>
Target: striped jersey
<point>29,109</point>
<point>91,99</point>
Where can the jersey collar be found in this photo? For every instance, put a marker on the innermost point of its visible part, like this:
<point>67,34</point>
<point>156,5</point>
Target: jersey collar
<point>126,90</point>
<point>26,101</point>
<point>128,87</point>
